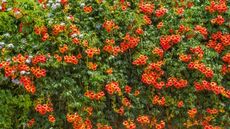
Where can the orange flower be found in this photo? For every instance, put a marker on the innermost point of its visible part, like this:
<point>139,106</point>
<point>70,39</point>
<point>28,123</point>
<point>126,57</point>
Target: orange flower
<point>109,71</point>
<point>92,66</point>
<point>88,9</point>
<point>51,118</point>
<point>63,49</point>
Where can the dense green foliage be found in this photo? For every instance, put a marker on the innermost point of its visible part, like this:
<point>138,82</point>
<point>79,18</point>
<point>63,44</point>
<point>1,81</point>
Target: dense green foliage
<point>114,64</point>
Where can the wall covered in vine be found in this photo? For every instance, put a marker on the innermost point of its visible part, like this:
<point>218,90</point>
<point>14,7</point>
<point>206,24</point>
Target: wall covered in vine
<point>114,64</point>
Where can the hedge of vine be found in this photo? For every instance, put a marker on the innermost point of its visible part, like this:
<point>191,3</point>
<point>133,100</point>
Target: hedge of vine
<point>118,64</point>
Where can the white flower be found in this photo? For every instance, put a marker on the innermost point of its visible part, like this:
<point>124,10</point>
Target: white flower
<point>2,43</point>
<point>58,4</point>
<point>9,9</point>
<point>81,35</point>
<point>58,1</point>
<point>28,61</point>
<point>54,6</point>
<point>10,45</point>
<point>82,4</point>
<point>15,81</point>
<point>0,7</point>
<point>74,35</point>
<point>22,72</point>
<point>7,35</point>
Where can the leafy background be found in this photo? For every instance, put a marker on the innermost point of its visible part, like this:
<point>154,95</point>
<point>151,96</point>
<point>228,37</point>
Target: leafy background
<point>65,84</point>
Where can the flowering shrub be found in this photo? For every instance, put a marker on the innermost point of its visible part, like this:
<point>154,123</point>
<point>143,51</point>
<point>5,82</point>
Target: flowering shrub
<point>114,64</point>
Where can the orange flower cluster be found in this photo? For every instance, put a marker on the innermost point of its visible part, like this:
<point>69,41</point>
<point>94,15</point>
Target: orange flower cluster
<point>161,12</point>
<point>71,59</point>
<point>158,51</point>
<point>185,58</point>
<point>212,86</point>
<point>109,25</point>
<point>158,101</point>
<point>75,40</point>
<point>212,111</point>
<point>141,60</point>
<point>94,96</point>
<point>139,31</point>
<point>180,104</point>
<point>129,42</point>
<point>58,29</point>
<point>125,101</point>
<point>44,108</point>
<point>226,58</point>
<point>124,4</point>
<point>51,118</point>
<point>28,84</point>
<point>74,30</point>
<point>225,69</point>
<point>127,89</point>
<point>156,66</point>
<point>112,87</point>
<point>160,25</point>
<point>197,51</point>
<point>160,125</point>
<point>3,4</point>
<point>168,41</point>
<point>147,20</point>
<point>146,8</point>
<point>30,123</point>
<point>172,81</point>
<point>143,119</point>
<point>43,31</point>
<point>57,57</point>
<point>92,66</point>
<point>183,28</point>
<point>208,72</point>
<point>23,67</point>
<point>180,11</point>
<point>219,20</point>
<point>101,126</point>
<point>19,59</point>
<point>88,9</point>
<point>220,7</point>
<point>109,71</point>
<point>9,70</point>
<point>64,2</point>
<point>38,59</point>
<point>202,30</point>
<point>211,127</point>
<point>78,122</point>
<point>192,112</point>
<point>114,50</point>
<point>120,111</point>
<point>150,77</point>
<point>63,48</point>
<point>129,124</point>
<point>38,72</point>
<point>92,51</point>
<point>110,48</point>
<point>224,40</point>
<point>40,30</point>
